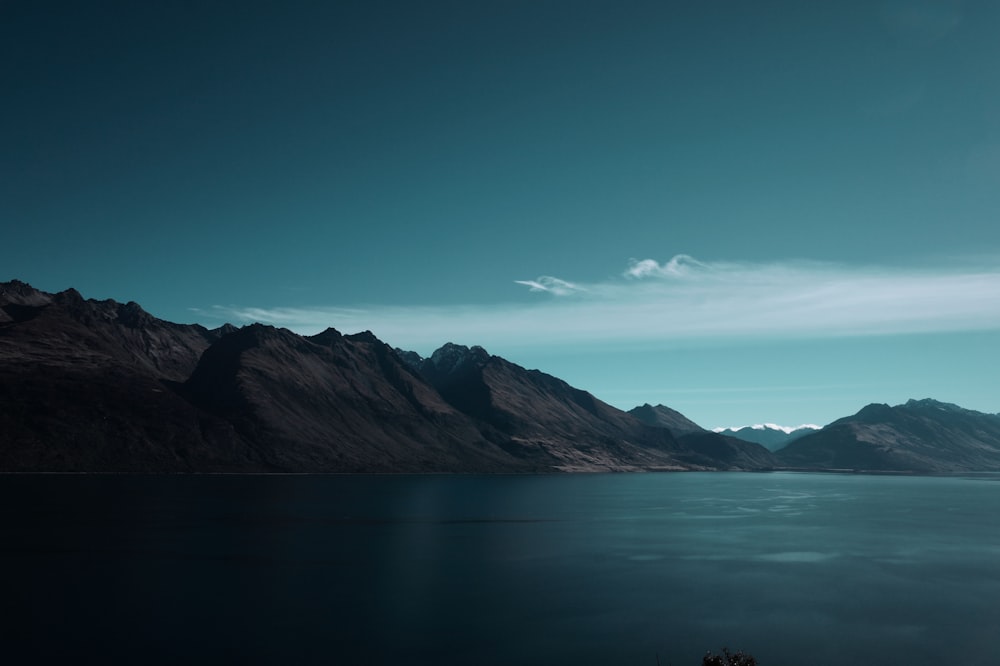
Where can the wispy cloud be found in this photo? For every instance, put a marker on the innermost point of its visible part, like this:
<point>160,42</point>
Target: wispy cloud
<point>679,266</point>
<point>684,299</point>
<point>551,285</point>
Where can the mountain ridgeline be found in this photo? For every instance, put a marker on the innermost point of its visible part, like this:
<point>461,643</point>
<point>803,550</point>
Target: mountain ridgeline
<point>99,386</point>
<point>770,437</point>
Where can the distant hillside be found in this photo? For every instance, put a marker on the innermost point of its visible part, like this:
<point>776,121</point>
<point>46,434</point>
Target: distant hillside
<point>662,416</point>
<point>99,386</point>
<point>920,436</point>
<point>769,436</point>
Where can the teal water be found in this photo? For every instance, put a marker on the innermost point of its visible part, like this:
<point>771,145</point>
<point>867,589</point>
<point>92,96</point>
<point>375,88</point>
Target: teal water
<point>583,569</point>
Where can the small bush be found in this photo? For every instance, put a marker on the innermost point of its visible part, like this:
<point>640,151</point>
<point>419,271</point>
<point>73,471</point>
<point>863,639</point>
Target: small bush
<point>727,658</point>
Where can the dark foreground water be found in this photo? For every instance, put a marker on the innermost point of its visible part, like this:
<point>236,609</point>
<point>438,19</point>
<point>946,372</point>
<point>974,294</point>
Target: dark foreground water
<point>593,569</point>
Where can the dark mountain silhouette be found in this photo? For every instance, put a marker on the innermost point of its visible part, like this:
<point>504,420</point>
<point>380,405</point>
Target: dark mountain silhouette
<point>770,438</point>
<point>100,386</point>
<point>919,436</point>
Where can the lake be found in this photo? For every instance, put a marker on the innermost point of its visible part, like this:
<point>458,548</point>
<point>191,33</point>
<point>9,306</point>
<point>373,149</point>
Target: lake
<point>609,569</point>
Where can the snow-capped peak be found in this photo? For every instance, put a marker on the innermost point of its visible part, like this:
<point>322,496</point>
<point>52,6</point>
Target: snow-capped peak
<point>771,426</point>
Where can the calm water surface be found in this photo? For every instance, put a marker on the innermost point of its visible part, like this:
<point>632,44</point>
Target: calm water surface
<point>584,570</point>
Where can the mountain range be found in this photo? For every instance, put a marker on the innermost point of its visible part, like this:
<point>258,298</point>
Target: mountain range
<point>101,386</point>
<point>89,386</point>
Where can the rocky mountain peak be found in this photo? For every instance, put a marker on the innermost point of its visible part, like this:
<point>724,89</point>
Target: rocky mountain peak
<point>451,357</point>
<point>662,416</point>
<point>131,314</point>
<point>19,301</point>
<point>876,411</point>
<point>412,359</point>
<point>70,294</point>
<point>327,337</point>
<point>363,336</point>
<point>22,293</point>
<point>225,329</point>
<point>930,403</point>
<point>258,334</point>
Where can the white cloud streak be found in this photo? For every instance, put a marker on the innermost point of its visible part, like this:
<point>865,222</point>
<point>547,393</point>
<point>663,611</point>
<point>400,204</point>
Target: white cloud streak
<point>683,299</point>
<point>551,285</point>
<point>680,266</point>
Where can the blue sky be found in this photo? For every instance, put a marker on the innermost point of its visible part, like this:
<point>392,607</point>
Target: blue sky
<point>751,212</point>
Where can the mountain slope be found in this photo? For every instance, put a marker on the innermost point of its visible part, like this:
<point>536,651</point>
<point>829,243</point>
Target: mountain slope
<point>921,436</point>
<point>541,418</point>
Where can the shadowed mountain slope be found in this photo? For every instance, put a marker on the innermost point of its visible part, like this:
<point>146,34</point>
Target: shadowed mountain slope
<point>335,403</point>
<point>89,386</point>
<point>63,327</point>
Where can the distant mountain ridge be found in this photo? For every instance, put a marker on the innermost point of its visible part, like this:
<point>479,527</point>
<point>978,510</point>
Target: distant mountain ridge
<point>91,385</point>
<point>918,436</point>
<point>769,435</point>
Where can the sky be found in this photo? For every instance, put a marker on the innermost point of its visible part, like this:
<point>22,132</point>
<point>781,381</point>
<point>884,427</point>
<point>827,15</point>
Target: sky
<point>750,212</point>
